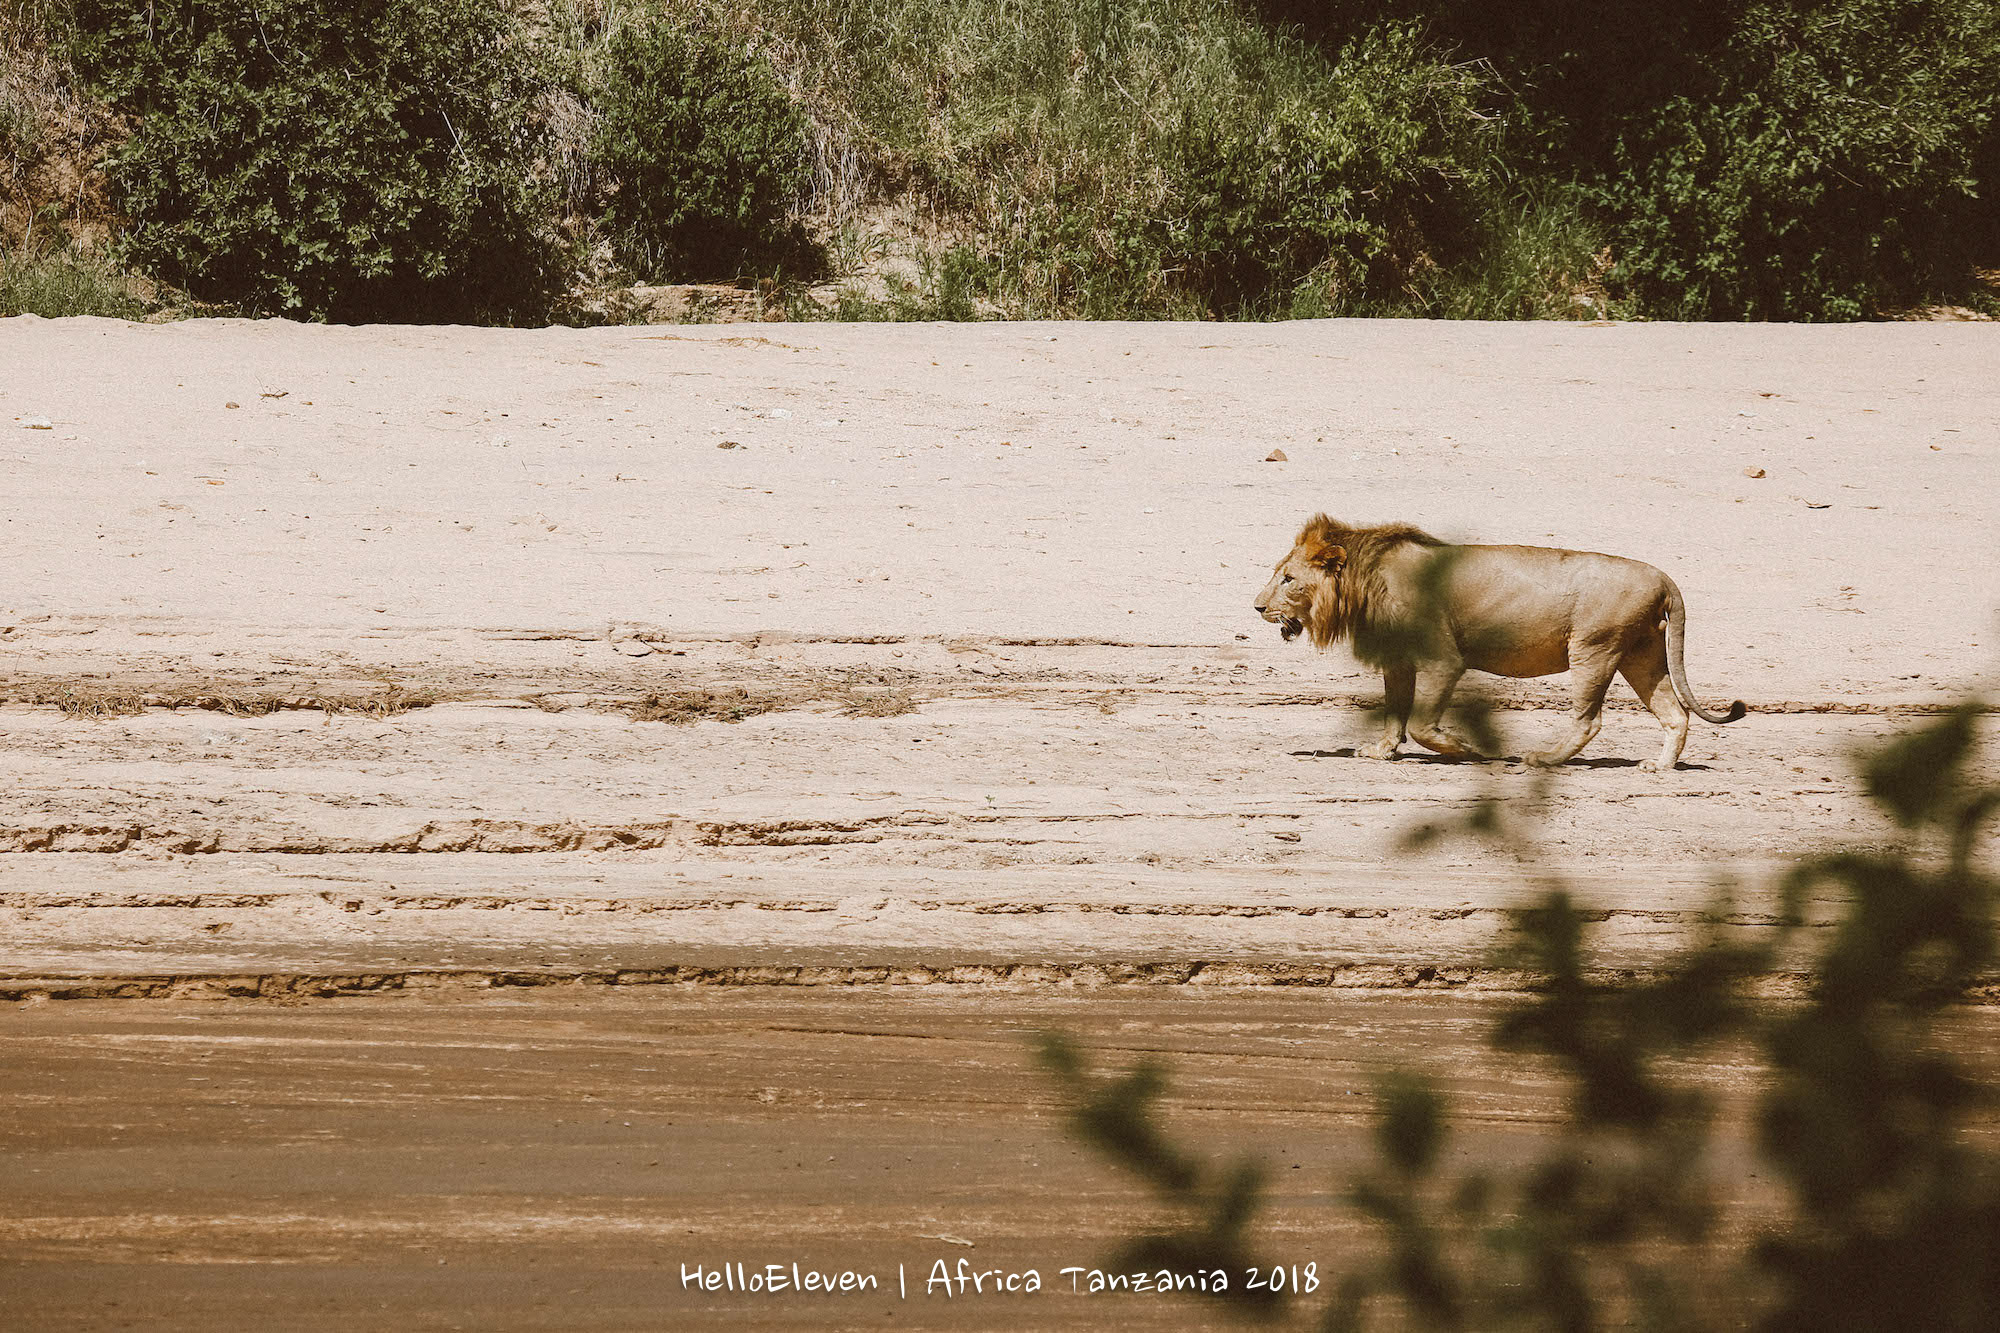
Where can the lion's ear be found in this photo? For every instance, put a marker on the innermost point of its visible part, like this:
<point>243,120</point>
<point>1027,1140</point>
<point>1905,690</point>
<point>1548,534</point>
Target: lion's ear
<point>1330,558</point>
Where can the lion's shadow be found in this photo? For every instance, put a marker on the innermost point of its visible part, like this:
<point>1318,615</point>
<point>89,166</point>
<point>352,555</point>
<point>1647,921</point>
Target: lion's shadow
<point>1348,752</point>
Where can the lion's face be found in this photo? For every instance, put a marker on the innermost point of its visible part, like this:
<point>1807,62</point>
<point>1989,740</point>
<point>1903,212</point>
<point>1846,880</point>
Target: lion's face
<point>1295,581</point>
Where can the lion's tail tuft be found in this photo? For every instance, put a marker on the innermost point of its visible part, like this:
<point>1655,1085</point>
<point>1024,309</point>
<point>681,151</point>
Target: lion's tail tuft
<point>1677,663</point>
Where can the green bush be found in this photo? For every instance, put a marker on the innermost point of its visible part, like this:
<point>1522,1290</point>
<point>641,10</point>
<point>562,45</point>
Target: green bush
<point>56,286</point>
<point>1121,159</point>
<point>1542,256</point>
<point>702,151</point>
<point>364,161</point>
<point>1331,194</point>
<point>1355,187</point>
<point>1832,172</point>
<point>1107,159</point>
<point>1745,159</point>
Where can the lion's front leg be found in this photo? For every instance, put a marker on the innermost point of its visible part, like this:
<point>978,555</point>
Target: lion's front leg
<point>1433,692</point>
<point>1399,688</point>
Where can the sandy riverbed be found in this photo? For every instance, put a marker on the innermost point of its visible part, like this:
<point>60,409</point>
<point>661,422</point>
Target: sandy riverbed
<point>992,585</point>
<point>959,715</point>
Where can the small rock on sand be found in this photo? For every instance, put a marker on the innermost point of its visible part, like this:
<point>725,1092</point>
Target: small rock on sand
<point>1276,456</point>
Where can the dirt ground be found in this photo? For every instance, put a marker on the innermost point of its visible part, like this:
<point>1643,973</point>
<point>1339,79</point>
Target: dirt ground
<point>560,1159</point>
<point>571,684</point>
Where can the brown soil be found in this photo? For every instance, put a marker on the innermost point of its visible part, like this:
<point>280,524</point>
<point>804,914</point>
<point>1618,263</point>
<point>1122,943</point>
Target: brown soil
<point>53,138</point>
<point>555,1160</point>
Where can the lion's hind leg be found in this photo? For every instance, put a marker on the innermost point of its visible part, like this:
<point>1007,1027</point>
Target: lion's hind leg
<point>1589,677</point>
<point>1645,670</point>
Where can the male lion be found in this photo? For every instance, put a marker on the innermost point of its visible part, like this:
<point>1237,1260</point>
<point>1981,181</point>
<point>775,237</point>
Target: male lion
<point>1425,613</point>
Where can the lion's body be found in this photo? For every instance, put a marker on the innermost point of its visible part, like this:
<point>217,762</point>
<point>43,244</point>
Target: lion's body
<point>1425,613</point>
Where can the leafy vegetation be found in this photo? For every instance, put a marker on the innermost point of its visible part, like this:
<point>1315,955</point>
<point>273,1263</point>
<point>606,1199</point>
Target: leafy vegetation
<point>61,284</point>
<point>951,159</point>
<point>1153,158</point>
<point>1831,173</point>
<point>351,162</point>
<point>1746,159</point>
<point>1890,1207</point>
<point>702,151</point>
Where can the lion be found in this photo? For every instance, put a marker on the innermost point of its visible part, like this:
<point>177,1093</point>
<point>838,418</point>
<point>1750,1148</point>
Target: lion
<point>1424,613</point>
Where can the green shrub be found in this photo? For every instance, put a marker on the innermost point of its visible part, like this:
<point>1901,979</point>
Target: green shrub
<point>941,292</point>
<point>1337,191</point>
<point>1543,256</point>
<point>361,161</point>
<point>1832,172</point>
<point>1122,159</point>
<point>702,150</point>
<point>1356,187</point>
<point>1058,158</point>
<point>56,286</point>
<point>1760,159</point>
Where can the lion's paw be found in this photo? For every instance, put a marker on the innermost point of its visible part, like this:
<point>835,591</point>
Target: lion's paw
<point>1541,759</point>
<point>1657,766</point>
<point>1379,750</point>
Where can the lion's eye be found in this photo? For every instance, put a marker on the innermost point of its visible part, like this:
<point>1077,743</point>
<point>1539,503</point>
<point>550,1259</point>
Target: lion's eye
<point>1285,580</point>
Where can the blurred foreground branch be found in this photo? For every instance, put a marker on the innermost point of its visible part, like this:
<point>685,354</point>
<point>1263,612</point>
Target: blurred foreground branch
<point>1889,1213</point>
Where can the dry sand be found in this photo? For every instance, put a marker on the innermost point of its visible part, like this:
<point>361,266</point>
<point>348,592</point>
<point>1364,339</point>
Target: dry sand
<point>962,691</point>
<point>1040,540</point>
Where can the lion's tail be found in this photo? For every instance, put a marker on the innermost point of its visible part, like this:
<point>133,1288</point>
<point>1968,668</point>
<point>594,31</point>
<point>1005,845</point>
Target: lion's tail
<point>1677,662</point>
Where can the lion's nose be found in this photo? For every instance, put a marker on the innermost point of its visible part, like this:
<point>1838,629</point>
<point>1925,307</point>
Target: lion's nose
<point>1259,608</point>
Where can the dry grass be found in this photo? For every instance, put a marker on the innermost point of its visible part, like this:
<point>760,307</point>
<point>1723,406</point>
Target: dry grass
<point>873,695</point>
<point>234,705</point>
<point>89,704</point>
<point>81,700</point>
<point>858,695</point>
<point>392,702</point>
<point>685,707</point>
<point>879,703</point>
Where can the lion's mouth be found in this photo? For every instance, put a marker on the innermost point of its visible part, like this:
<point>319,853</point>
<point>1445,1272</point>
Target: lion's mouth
<point>1289,630</point>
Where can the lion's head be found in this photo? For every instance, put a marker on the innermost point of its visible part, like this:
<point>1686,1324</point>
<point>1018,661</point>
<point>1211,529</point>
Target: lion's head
<point>1305,592</point>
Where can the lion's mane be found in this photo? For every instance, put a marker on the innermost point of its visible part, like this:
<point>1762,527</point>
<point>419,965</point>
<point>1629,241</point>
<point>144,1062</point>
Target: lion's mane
<point>1348,601</point>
